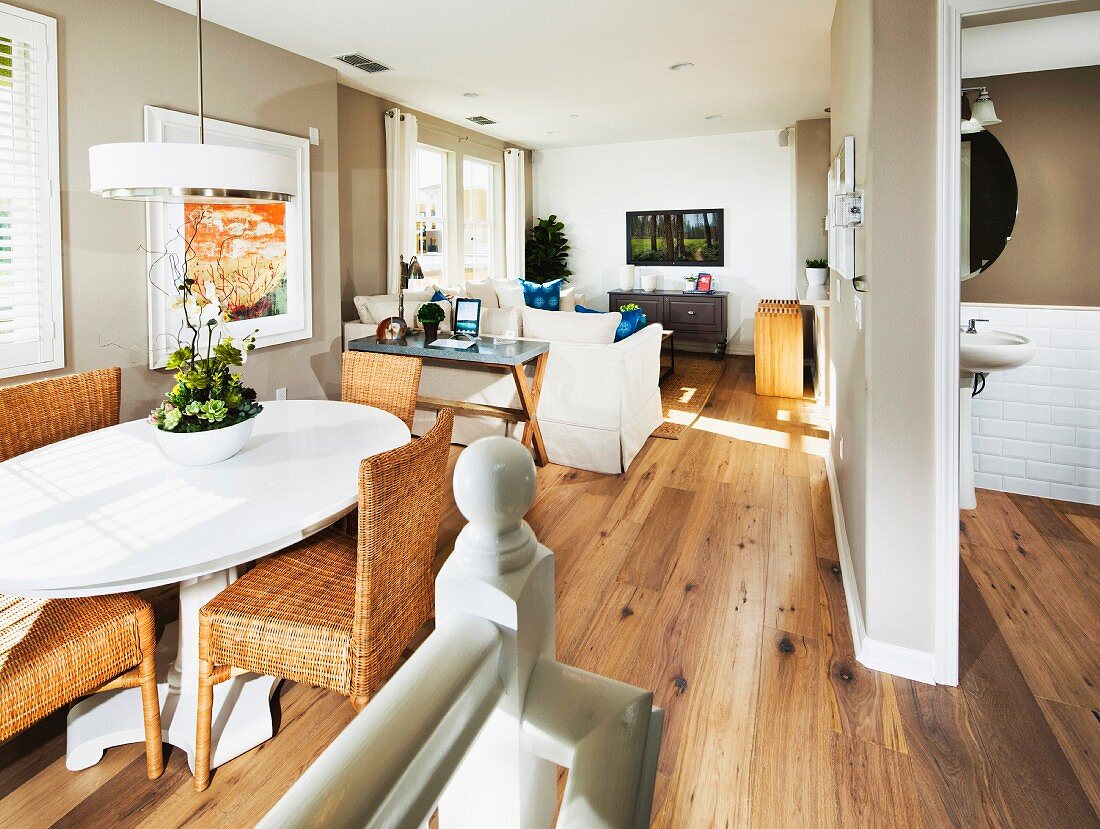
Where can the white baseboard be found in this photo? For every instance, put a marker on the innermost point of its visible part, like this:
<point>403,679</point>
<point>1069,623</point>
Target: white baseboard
<point>878,656</point>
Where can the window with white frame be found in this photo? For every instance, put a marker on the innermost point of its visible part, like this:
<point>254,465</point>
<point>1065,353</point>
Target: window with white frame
<point>431,212</point>
<point>31,338</point>
<point>479,215</point>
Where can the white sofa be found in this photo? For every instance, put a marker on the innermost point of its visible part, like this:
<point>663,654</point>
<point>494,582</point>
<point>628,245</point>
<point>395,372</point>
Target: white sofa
<point>599,402</point>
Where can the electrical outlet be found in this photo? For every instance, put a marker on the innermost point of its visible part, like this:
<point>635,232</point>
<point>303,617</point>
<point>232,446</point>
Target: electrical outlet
<point>280,393</point>
<point>859,312</point>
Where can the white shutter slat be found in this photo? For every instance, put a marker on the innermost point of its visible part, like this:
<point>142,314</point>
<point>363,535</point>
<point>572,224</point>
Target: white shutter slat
<point>29,262</point>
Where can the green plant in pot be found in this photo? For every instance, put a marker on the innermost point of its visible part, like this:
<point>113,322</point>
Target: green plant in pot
<point>429,316</point>
<point>817,271</point>
<point>547,251</point>
<point>207,416</point>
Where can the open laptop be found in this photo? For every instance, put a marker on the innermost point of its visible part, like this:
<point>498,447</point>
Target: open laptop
<point>467,324</point>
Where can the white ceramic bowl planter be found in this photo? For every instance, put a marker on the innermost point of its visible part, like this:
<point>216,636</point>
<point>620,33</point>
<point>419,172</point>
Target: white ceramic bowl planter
<point>204,448</point>
<point>817,276</point>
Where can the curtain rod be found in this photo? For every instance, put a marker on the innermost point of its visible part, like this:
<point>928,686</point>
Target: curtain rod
<point>461,136</point>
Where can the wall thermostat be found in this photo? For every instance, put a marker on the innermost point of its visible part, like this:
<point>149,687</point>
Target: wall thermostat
<point>848,209</point>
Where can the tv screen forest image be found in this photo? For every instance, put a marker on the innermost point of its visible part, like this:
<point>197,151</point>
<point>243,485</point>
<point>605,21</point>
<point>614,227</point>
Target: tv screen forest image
<point>675,237</point>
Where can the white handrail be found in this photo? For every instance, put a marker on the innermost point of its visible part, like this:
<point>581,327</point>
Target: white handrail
<point>478,717</point>
<point>388,769</point>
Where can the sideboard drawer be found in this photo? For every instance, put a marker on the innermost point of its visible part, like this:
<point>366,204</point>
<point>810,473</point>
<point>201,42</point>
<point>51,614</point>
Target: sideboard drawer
<point>696,313</point>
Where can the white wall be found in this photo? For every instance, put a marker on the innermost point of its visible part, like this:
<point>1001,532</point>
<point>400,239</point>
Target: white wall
<point>747,174</point>
<point>1037,428</point>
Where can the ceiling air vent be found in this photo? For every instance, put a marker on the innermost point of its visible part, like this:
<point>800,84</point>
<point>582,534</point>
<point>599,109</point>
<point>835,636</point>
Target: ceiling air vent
<point>481,119</point>
<point>362,62</point>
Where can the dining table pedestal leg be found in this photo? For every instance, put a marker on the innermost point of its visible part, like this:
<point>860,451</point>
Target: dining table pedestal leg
<point>242,705</point>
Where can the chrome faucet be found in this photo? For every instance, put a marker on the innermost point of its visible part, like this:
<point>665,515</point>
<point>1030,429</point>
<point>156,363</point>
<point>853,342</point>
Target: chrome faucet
<point>970,327</point>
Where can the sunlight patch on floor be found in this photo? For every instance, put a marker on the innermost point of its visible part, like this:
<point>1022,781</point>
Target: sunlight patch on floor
<point>765,437</point>
<point>686,393</point>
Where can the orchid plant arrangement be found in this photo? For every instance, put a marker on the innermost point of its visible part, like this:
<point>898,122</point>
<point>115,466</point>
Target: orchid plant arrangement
<point>207,393</point>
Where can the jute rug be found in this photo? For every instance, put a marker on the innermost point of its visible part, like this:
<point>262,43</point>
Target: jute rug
<point>686,391</point>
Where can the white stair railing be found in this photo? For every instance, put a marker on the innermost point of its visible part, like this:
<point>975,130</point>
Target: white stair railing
<point>477,720</point>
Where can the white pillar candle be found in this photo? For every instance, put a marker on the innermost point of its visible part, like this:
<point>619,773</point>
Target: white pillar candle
<point>626,277</point>
<point>649,281</point>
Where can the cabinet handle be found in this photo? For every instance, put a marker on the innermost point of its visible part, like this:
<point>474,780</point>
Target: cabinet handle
<point>691,313</point>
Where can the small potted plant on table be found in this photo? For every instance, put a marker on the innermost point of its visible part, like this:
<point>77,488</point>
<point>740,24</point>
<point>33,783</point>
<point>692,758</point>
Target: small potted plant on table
<point>817,271</point>
<point>689,282</point>
<point>429,316</point>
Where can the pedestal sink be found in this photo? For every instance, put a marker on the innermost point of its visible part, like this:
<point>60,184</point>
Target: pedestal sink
<point>982,351</point>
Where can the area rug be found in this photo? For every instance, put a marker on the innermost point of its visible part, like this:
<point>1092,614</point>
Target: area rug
<point>686,391</point>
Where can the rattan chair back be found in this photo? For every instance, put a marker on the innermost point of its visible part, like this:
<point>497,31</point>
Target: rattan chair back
<point>40,413</point>
<point>385,381</point>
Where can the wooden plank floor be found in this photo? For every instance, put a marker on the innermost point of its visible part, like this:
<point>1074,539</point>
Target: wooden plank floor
<point>709,574</point>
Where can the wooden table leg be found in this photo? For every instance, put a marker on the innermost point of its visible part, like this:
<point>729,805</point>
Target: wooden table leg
<point>529,401</point>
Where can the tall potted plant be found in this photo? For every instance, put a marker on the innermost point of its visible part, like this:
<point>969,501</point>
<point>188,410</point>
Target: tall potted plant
<point>547,251</point>
<point>208,414</point>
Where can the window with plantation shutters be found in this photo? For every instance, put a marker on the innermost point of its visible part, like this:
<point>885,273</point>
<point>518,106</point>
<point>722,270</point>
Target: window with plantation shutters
<point>30,216</point>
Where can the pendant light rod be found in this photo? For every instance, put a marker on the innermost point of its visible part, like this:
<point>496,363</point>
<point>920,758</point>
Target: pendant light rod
<point>198,42</point>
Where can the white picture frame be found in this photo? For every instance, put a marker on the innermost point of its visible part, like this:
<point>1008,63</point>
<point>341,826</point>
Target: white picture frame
<point>163,221</point>
<point>842,240</point>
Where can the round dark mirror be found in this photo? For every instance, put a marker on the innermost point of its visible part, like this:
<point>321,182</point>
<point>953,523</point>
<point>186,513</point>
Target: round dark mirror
<point>989,202</point>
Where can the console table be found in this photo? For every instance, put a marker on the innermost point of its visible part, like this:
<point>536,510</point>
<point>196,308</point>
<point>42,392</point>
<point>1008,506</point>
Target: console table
<point>695,317</point>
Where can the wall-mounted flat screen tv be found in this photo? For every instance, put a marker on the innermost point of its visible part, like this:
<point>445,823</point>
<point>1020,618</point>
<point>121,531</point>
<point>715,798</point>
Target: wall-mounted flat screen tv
<point>675,237</point>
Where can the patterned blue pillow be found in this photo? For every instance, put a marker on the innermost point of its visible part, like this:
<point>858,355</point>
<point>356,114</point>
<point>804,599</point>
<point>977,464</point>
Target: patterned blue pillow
<point>631,323</point>
<point>546,296</point>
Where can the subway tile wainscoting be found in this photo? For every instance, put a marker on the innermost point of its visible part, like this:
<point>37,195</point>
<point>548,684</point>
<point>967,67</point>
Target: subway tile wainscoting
<point>1037,428</point>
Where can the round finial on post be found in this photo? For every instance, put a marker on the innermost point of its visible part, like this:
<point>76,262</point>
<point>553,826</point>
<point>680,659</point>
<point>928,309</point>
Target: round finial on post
<point>494,484</point>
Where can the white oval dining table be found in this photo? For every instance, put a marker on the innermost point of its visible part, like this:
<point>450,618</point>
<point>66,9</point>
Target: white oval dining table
<point>106,512</point>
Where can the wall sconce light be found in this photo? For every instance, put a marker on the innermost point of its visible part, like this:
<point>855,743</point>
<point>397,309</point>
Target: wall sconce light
<point>982,114</point>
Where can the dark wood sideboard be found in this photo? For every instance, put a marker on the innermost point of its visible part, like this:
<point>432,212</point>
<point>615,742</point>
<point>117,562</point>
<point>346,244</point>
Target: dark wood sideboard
<point>694,317</point>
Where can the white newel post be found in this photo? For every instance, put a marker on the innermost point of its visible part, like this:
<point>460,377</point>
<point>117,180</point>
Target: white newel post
<point>500,572</point>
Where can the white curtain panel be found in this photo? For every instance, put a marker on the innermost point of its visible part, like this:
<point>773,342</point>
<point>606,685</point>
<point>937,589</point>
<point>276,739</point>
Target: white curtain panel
<point>401,193</point>
<point>515,213</point>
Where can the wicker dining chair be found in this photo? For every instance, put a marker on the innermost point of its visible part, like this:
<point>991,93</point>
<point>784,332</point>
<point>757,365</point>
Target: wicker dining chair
<point>38,414</point>
<point>332,611</point>
<point>53,651</point>
<point>385,381</point>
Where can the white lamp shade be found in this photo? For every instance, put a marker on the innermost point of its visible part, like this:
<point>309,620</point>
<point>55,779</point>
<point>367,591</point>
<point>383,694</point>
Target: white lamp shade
<point>984,113</point>
<point>971,126</point>
<point>205,173</point>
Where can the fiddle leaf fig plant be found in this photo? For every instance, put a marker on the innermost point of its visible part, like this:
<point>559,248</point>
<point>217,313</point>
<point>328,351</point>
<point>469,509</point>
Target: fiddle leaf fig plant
<point>547,251</point>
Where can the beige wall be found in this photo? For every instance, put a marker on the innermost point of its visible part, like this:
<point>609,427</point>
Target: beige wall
<point>363,183</point>
<point>884,93</point>
<point>811,168</point>
<point>1050,123</point>
<point>115,57</point>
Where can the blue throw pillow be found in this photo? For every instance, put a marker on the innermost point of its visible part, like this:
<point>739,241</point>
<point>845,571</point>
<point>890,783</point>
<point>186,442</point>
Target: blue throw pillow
<point>546,296</point>
<point>631,323</point>
<point>438,296</point>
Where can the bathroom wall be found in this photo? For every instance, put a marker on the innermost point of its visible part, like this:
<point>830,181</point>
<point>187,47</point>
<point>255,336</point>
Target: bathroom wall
<point>1049,124</point>
<point>1037,428</point>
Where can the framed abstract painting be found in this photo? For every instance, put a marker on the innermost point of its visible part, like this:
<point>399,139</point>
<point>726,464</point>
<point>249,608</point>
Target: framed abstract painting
<point>254,257</point>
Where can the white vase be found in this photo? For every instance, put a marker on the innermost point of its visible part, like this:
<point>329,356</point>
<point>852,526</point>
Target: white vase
<point>204,448</point>
<point>626,277</point>
<point>817,276</point>
<point>649,281</point>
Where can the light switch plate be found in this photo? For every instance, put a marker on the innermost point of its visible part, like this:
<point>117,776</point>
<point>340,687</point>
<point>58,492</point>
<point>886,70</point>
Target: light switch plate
<point>859,312</point>
<point>314,136</point>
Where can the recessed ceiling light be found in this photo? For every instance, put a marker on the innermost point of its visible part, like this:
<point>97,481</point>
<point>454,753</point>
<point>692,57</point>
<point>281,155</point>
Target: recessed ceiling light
<point>553,132</point>
<point>712,117</point>
<point>574,116</point>
<point>680,67</point>
<point>470,95</point>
